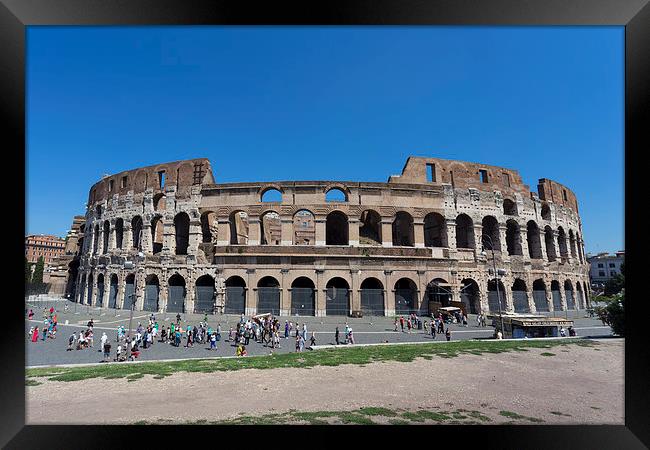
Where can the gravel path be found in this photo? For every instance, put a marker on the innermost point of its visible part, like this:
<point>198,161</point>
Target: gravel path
<point>585,384</point>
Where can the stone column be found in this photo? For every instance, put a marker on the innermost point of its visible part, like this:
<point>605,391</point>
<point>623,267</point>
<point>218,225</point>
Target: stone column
<point>478,240</point>
<point>320,293</point>
<point>251,294</point>
<point>355,296</point>
<point>320,230</point>
<point>285,293</point>
<point>107,289</point>
<point>549,295</point>
<point>190,293</point>
<point>127,236</point>
<point>93,299</point>
<point>100,241</point>
<point>286,230</point>
<point>163,294</point>
<point>418,232</point>
<point>169,237</point>
<point>223,233</point>
<point>254,231</point>
<point>504,243</point>
<point>531,300</point>
<point>145,241</point>
<point>139,288</point>
<point>483,297</point>
<point>523,232</point>
<point>353,231</point>
<point>112,244</point>
<point>195,236</point>
<point>389,296</point>
<point>386,232</point>
<point>122,302</point>
<point>507,293</point>
<point>542,244</point>
<point>451,233</point>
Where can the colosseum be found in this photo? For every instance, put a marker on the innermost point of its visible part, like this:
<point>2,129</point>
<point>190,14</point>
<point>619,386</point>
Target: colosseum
<point>169,238</point>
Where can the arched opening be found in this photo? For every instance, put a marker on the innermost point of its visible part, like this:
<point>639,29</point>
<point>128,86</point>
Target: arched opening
<point>336,229</point>
<point>336,195</point>
<point>470,296</point>
<point>496,298</point>
<point>151,293</point>
<point>539,295</point>
<point>90,289</point>
<point>520,296</point>
<point>96,239</point>
<point>82,289</point>
<point>182,232</point>
<point>580,300</point>
<point>370,228</point>
<point>338,297</point>
<point>129,292</point>
<point>403,230</point>
<point>513,238</point>
<point>509,207</point>
<point>546,211</point>
<point>490,234</point>
<point>372,297</point>
<point>556,295</point>
<point>437,295</point>
<point>112,292</point>
<point>572,243</point>
<point>271,196</point>
<point>270,229</point>
<point>561,241</point>
<point>176,294</point>
<point>100,290</point>
<point>157,234</point>
<point>119,233</point>
<point>550,244</point>
<point>235,296</point>
<point>107,234</point>
<point>534,242</point>
<point>208,227</point>
<point>405,296</point>
<point>435,230</point>
<point>303,300</point>
<point>136,231</point>
<point>205,295</point>
<point>159,202</point>
<point>268,296</point>
<point>304,228</point>
<point>464,232</point>
<point>238,228</point>
<point>98,211</point>
<point>568,295</point>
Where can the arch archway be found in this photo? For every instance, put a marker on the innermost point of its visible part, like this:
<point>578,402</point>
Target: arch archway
<point>435,230</point>
<point>336,195</point>
<point>370,228</point>
<point>509,207</point>
<point>403,230</point>
<point>271,195</point>
<point>129,291</point>
<point>208,227</point>
<point>182,232</point>
<point>405,296</point>
<point>238,228</point>
<point>235,295</point>
<point>336,229</point>
<point>159,202</point>
<point>112,292</point>
<point>106,228</point>
<point>561,241</point>
<point>372,297</point>
<point>151,293</point>
<point>496,298</point>
<point>176,294</point>
<point>90,289</point>
<point>534,242</point>
<point>513,238</point>
<point>268,296</point>
<point>550,244</point>
<point>436,295</point>
<point>568,295</point>
<point>572,244</point>
<point>464,232</point>
<point>539,295</point>
<point>337,302</point>
<point>303,299</point>
<point>580,300</point>
<point>520,296</point>
<point>491,231</point>
<point>157,234</point>
<point>304,228</point>
<point>470,296</point>
<point>556,295</point>
<point>119,233</point>
<point>100,290</point>
<point>546,212</point>
<point>205,295</point>
<point>270,228</point>
<point>136,232</point>
<point>82,289</point>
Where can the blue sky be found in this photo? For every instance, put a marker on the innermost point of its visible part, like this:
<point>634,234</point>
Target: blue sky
<point>315,103</point>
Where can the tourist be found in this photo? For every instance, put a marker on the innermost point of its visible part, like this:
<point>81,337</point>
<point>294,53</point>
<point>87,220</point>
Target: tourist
<point>562,332</point>
<point>312,339</point>
<point>301,342</point>
<point>107,350</point>
<point>448,334</point>
<point>401,323</point>
<point>572,331</point>
<point>336,335</point>
<point>297,342</point>
<point>178,319</point>
<point>218,332</point>
<point>35,334</point>
<point>286,329</point>
<point>499,334</point>
<point>103,339</point>
<point>31,314</point>
<point>177,338</point>
<point>350,336</point>
<point>483,320</point>
<point>304,331</point>
<point>464,320</point>
<point>213,341</point>
<point>44,332</point>
<point>433,331</point>
<point>408,324</point>
<point>425,325</point>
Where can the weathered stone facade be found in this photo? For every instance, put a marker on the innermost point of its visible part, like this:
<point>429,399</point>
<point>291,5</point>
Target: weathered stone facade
<point>180,242</point>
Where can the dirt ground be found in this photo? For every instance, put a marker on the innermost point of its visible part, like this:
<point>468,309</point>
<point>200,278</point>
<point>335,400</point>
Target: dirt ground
<point>576,385</point>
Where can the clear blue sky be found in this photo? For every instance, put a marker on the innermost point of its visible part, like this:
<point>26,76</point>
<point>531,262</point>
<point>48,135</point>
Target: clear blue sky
<point>343,103</point>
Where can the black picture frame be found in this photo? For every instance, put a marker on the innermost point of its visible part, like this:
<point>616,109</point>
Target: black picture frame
<point>15,15</point>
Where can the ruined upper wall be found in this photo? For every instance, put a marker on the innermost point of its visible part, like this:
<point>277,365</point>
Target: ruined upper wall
<point>461,174</point>
<point>182,174</point>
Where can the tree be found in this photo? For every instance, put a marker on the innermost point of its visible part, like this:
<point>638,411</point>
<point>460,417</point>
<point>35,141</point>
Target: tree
<point>615,314</point>
<point>616,284</point>
<point>37,278</point>
<point>28,272</point>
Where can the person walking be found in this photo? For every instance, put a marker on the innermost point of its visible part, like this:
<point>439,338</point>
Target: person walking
<point>562,332</point>
<point>448,334</point>
<point>178,319</point>
<point>35,334</point>
<point>286,329</point>
<point>401,322</point>
<point>302,343</point>
<point>71,340</point>
<point>351,336</point>
<point>433,331</point>
<point>408,324</point>
<point>103,340</point>
<point>336,335</point>
<point>297,342</point>
<point>312,339</point>
<point>45,332</point>
<point>464,320</point>
<point>107,350</point>
<point>213,341</point>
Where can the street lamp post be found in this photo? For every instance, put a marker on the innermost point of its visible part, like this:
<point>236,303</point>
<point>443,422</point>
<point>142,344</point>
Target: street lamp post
<point>496,278</point>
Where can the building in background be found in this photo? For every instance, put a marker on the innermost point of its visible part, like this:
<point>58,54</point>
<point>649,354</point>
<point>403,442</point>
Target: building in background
<point>47,246</point>
<point>61,272</point>
<point>604,267</point>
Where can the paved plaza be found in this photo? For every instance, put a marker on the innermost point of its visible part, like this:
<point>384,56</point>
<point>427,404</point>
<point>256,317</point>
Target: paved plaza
<point>366,330</point>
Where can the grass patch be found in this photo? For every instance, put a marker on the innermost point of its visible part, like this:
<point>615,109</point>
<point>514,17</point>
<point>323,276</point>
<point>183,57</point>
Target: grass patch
<point>514,415</point>
<point>326,357</point>
<point>399,422</point>
<point>547,354</point>
<point>374,411</point>
<point>30,382</point>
